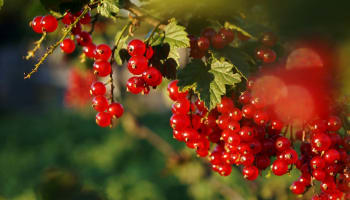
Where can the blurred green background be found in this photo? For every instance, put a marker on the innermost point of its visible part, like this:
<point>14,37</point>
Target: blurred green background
<point>51,152</point>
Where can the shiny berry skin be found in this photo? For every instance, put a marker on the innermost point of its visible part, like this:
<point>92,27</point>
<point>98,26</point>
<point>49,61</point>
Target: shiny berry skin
<point>86,19</point>
<point>49,23</point>
<point>244,98</point>
<point>102,68</point>
<point>67,45</point>
<point>83,38</point>
<point>290,156</point>
<point>228,35</point>
<point>269,56</point>
<point>100,103</point>
<point>76,29</point>
<point>89,50</point>
<point>68,18</point>
<point>217,41</point>
<point>136,48</point>
<point>235,114</point>
<point>297,187</point>
<point>103,119</point>
<point>246,133</point>
<point>152,76</point>
<point>320,142</point>
<point>225,170</point>
<point>222,121</point>
<point>250,172</point>
<point>318,126</point>
<point>333,123</point>
<point>247,159</point>
<point>103,52</point>
<point>233,126</point>
<point>137,65</point>
<point>261,117</point>
<point>115,109</point>
<point>328,186</point>
<point>319,174</point>
<point>179,122</point>
<point>189,135</point>
<point>208,33</point>
<point>226,105</point>
<point>279,167</point>
<point>181,106</point>
<point>149,52</point>
<point>305,179</point>
<point>174,92</point>
<point>268,39</point>
<point>203,43</point>
<point>276,124</point>
<point>97,88</point>
<point>36,24</point>
<point>282,144</point>
<point>178,135</point>
<point>248,111</point>
<point>331,156</point>
<point>135,84</point>
<point>317,163</point>
<point>259,53</point>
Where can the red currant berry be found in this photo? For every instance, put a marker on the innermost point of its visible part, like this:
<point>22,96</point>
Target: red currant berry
<point>333,123</point>
<point>83,38</point>
<point>305,179</point>
<point>152,76</point>
<point>68,18</point>
<point>235,114</point>
<point>100,103</point>
<point>297,187</point>
<point>89,50</point>
<point>102,68</point>
<point>86,19</point>
<point>282,144</point>
<point>318,126</point>
<point>320,142</point>
<point>135,85</point>
<point>181,106</point>
<point>233,126</point>
<point>290,155</point>
<point>276,124</point>
<point>97,88</point>
<point>259,53</point>
<point>269,56</point>
<point>247,159</point>
<point>226,105</point>
<point>116,109</point>
<point>178,135</point>
<point>103,52</point>
<point>328,186</point>
<point>250,172</point>
<point>244,98</point>
<point>76,29</point>
<point>103,119</point>
<point>319,174</point>
<point>149,52</point>
<point>279,167</point>
<point>218,41</point>
<point>268,39</point>
<point>228,35</point>
<point>137,65</point>
<point>136,48</point>
<point>246,133</point>
<point>248,111</point>
<point>67,46</point>
<point>262,162</point>
<point>225,170</point>
<point>261,118</point>
<point>179,122</point>
<point>174,92</point>
<point>331,156</point>
<point>49,23</point>
<point>203,43</point>
<point>36,24</point>
<point>317,163</point>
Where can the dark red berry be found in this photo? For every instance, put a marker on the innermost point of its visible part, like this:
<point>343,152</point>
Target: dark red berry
<point>269,56</point>
<point>269,39</point>
<point>68,18</point>
<point>218,41</point>
<point>208,33</point>
<point>203,43</point>
<point>83,38</point>
<point>228,35</point>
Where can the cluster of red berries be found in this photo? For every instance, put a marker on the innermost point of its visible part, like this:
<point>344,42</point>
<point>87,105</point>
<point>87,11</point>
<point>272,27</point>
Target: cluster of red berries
<point>199,46</point>
<point>138,65</point>
<point>264,53</point>
<point>42,24</point>
<point>246,135</point>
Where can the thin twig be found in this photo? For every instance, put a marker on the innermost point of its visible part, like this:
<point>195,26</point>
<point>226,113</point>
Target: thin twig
<point>31,53</point>
<point>93,23</point>
<point>152,34</point>
<point>53,47</point>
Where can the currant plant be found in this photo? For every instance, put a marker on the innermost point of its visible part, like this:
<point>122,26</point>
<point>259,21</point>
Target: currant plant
<point>231,104</point>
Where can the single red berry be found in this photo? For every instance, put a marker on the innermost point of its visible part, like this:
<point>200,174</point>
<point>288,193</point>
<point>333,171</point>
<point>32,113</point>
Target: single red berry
<point>331,156</point>
<point>244,148</point>
<point>137,65</point>
<point>136,48</point>
<point>83,38</point>
<point>100,103</point>
<point>233,126</point>
<point>203,43</point>
<point>269,56</point>
<point>135,85</point>
<point>102,68</point>
<point>319,174</point>
<point>228,35</point>
<point>247,159</point>
<point>262,162</point>
<point>317,162</point>
<point>149,52</point>
<point>85,19</point>
<point>152,76</point>
<point>67,45</point>
<point>181,106</point>
<point>49,23</point>
<point>178,135</point>
<point>208,33</point>
<point>36,24</point>
<point>282,144</point>
<point>290,156</point>
<point>97,88</point>
<point>246,133</point>
<point>279,167</point>
<point>103,52</point>
<point>174,92</point>
<point>103,119</point>
<point>244,98</point>
<point>305,179</point>
<point>259,52</point>
<point>318,126</point>
<point>68,18</point>
<point>115,109</point>
<point>225,105</point>
<point>235,114</point>
<point>297,187</point>
<point>77,29</point>
<point>197,53</point>
<point>218,41</point>
<point>89,50</point>
<point>333,123</point>
<point>179,122</point>
<point>222,121</point>
<point>328,186</point>
<point>268,39</point>
<point>248,111</point>
<point>320,142</point>
<point>261,117</point>
<point>250,172</point>
<point>225,170</point>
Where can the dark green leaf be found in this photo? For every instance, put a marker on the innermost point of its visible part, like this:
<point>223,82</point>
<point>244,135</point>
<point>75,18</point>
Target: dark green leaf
<point>64,5</point>
<point>121,40</point>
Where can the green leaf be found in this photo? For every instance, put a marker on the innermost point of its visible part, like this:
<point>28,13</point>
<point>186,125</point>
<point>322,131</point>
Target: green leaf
<point>208,82</point>
<point>1,3</point>
<point>239,29</point>
<point>55,14</point>
<point>173,34</point>
<point>240,59</point>
<point>108,7</point>
<point>121,40</point>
